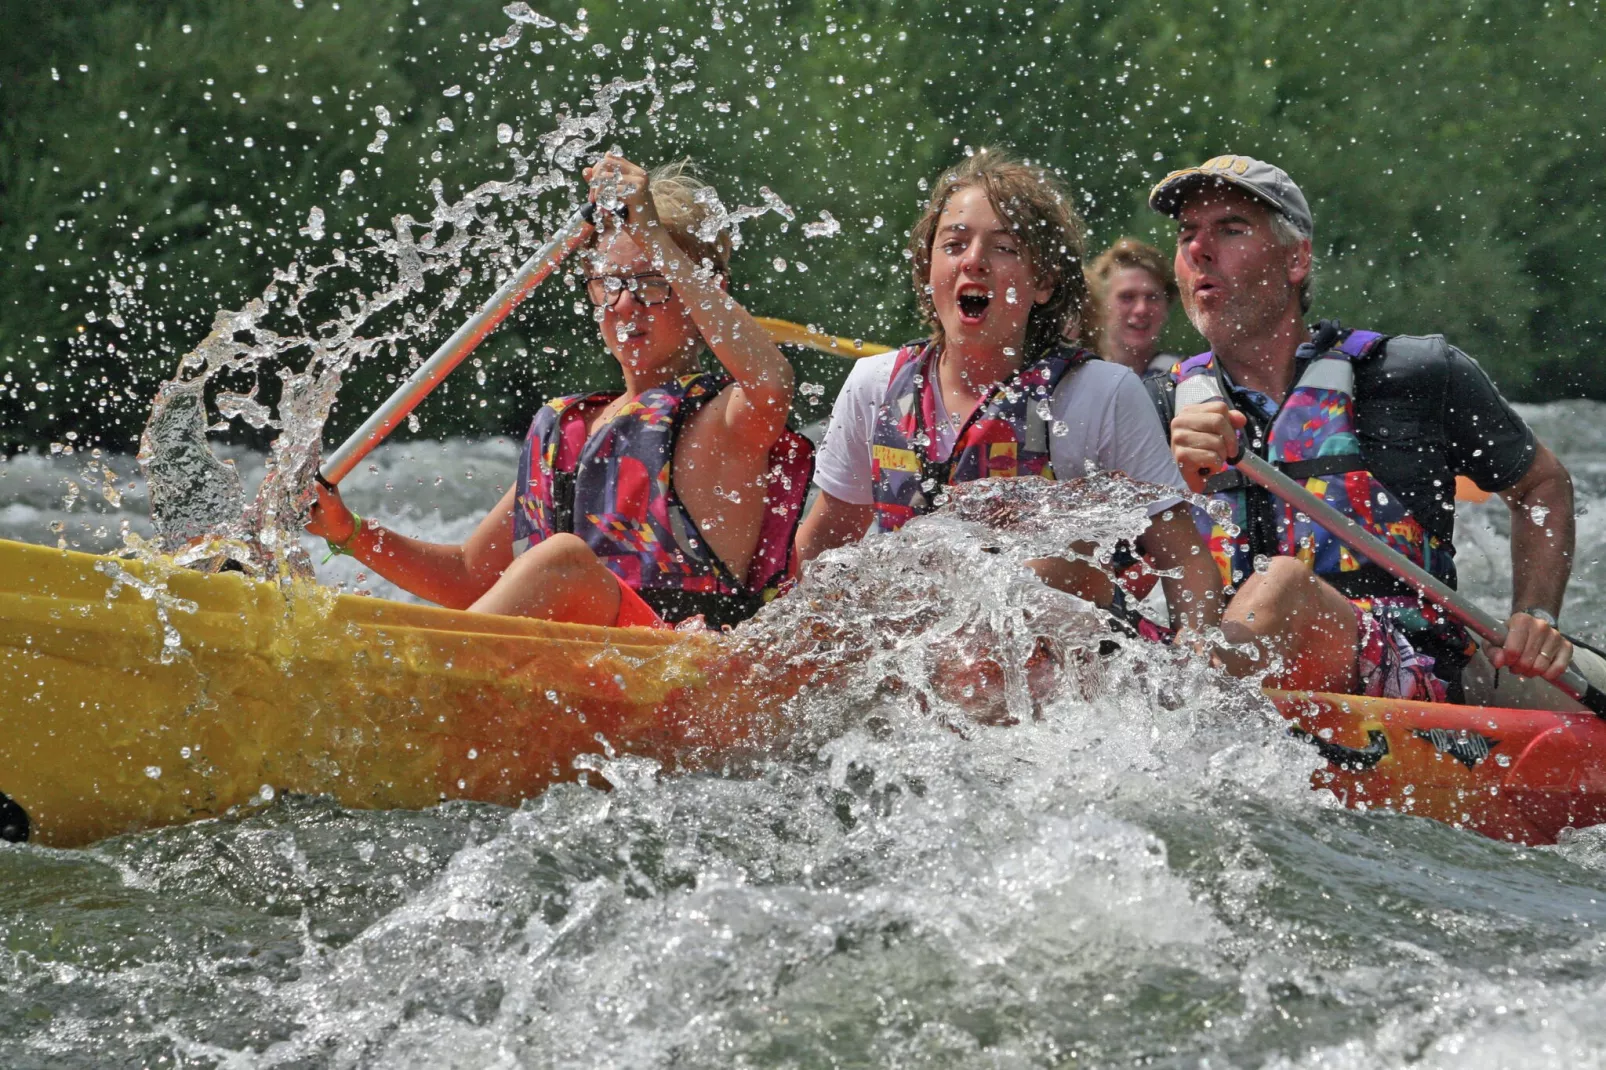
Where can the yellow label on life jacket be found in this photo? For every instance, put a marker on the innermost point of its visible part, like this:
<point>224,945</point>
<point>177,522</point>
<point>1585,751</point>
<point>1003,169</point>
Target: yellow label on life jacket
<point>1001,459</point>
<point>897,460</point>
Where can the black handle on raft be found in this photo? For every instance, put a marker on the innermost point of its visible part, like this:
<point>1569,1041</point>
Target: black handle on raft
<point>1593,697</point>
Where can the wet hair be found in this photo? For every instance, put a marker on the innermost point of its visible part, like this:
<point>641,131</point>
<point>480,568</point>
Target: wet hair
<point>1037,207</point>
<point>685,203</point>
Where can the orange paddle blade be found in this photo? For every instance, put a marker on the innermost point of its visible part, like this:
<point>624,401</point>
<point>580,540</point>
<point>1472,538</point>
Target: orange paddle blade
<point>784,332</point>
<point>1468,491</point>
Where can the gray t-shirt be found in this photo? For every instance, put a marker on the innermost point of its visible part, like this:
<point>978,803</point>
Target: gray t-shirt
<point>1099,414</point>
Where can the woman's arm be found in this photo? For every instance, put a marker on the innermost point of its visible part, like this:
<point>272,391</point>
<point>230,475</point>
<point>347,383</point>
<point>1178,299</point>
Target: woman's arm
<point>451,576</point>
<point>762,398</point>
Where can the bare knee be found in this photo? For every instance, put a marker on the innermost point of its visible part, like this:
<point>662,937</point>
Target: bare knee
<point>559,578</point>
<point>562,552</point>
<point>1270,597</point>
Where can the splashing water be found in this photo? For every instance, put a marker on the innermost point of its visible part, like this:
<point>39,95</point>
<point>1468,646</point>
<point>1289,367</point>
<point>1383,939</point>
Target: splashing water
<point>156,593</point>
<point>195,495</point>
<point>827,227</point>
<point>1136,872</point>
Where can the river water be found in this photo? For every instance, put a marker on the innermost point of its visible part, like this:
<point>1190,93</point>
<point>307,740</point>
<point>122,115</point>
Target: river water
<point>1141,876</point>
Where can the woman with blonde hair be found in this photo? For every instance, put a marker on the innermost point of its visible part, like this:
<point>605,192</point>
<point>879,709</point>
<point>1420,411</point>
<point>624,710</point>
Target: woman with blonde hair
<point>674,498</point>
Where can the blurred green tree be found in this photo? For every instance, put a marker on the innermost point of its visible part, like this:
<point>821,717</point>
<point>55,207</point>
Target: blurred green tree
<point>176,148</point>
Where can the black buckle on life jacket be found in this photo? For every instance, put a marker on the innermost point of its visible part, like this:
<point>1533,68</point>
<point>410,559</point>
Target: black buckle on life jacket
<point>563,487</point>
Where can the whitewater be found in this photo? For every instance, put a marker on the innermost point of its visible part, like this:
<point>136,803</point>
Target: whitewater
<point>1139,874</point>
<point>1133,871</point>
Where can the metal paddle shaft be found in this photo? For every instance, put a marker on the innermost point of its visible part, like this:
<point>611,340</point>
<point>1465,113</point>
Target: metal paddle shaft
<point>452,352</point>
<point>1395,564</point>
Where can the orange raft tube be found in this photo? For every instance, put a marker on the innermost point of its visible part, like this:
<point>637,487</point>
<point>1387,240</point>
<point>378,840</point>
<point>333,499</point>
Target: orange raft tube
<point>1519,775</point>
<point>384,705</point>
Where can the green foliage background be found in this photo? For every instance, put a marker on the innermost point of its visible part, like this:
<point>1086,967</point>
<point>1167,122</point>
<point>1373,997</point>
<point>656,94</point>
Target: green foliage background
<point>1451,152</point>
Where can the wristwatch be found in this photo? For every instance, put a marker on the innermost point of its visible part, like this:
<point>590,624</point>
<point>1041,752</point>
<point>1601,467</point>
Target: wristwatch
<point>1538,613</point>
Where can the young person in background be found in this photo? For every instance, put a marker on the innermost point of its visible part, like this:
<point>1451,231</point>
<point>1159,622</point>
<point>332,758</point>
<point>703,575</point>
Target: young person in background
<point>1133,290</point>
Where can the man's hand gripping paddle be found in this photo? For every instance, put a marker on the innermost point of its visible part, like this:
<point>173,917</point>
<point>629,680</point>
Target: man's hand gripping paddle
<point>1573,682</point>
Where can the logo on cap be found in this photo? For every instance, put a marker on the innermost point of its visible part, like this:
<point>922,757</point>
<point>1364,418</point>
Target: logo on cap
<point>1236,164</point>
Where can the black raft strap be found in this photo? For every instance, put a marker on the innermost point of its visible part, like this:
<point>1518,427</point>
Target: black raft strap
<point>718,610</point>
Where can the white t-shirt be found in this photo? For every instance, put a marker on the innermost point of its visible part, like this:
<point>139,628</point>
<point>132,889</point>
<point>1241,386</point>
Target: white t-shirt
<point>1105,413</point>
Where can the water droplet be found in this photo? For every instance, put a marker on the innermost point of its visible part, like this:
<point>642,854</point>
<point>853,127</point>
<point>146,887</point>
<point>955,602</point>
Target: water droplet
<point>314,227</point>
<point>827,227</point>
<point>504,133</point>
<point>154,772</point>
<point>779,264</point>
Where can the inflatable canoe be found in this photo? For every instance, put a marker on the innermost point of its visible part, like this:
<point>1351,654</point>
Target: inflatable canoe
<point>134,696</point>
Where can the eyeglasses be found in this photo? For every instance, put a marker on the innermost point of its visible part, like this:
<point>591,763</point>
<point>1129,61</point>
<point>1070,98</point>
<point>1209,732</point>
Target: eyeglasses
<point>648,289</point>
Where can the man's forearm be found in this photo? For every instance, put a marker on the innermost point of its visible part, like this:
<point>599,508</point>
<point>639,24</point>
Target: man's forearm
<point>1542,545</point>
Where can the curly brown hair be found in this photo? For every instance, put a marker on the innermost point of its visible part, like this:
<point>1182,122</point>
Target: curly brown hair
<point>1036,206</point>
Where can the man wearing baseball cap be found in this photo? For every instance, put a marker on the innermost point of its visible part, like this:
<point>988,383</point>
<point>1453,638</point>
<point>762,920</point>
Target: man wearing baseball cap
<point>1378,425</point>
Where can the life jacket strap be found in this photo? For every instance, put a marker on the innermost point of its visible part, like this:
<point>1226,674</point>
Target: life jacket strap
<point>563,486</point>
<point>1337,464</point>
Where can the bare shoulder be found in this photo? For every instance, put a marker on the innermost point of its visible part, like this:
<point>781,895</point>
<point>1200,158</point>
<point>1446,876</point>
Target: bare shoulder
<point>710,431</point>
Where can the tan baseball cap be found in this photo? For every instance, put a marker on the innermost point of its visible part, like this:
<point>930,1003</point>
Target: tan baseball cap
<point>1262,181</point>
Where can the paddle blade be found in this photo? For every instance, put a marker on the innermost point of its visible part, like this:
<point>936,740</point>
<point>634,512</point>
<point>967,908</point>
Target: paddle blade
<point>1468,491</point>
<point>787,333</point>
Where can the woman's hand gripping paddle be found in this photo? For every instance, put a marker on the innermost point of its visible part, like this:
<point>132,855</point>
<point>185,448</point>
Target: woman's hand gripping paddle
<point>1573,682</point>
<point>452,352</point>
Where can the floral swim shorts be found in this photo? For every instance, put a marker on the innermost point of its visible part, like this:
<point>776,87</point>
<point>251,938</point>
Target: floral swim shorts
<point>1388,666</point>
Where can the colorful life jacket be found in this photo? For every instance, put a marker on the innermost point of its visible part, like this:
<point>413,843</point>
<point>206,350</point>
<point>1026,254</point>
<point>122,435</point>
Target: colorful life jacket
<point>614,490</point>
<point>1006,435</point>
<point>1312,438</point>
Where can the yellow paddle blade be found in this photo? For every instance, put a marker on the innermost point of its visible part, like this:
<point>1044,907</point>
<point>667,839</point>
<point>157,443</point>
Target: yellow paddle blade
<point>787,333</point>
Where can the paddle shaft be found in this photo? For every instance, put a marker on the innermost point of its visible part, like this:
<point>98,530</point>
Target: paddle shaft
<point>1395,564</point>
<point>452,352</point>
